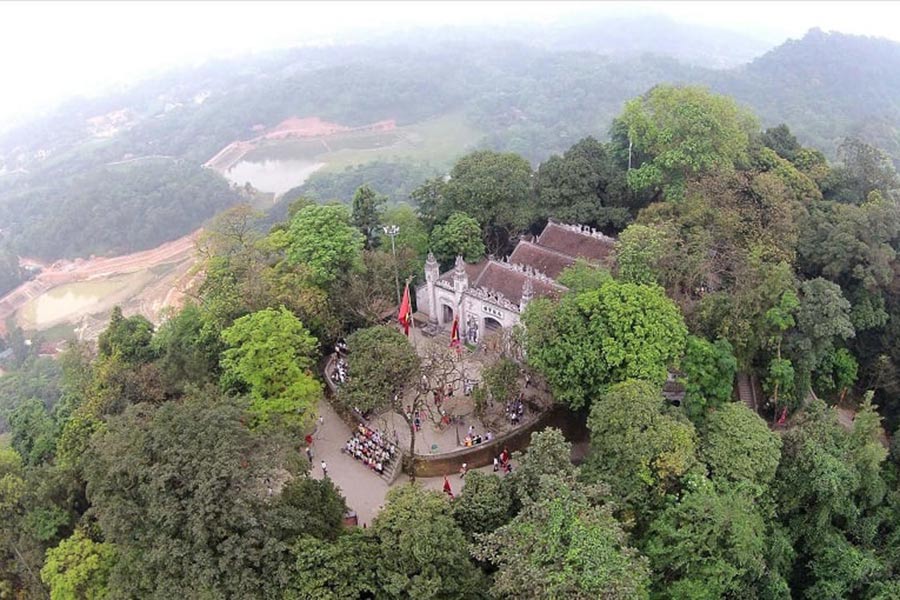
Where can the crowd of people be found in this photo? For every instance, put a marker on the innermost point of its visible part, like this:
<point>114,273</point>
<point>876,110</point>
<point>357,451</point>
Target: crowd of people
<point>340,368</point>
<point>371,447</point>
<point>515,410</point>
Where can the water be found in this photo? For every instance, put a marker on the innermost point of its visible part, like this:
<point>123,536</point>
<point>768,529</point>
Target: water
<point>61,302</point>
<point>273,175</point>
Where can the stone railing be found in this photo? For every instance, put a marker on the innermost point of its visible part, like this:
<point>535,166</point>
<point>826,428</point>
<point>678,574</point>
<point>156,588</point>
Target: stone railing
<point>447,463</point>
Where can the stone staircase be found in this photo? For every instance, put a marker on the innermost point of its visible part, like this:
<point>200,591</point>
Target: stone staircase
<point>393,469</point>
<point>746,391</point>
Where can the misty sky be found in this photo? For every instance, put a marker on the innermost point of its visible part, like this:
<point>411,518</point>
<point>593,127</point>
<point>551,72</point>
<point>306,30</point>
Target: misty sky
<point>53,50</point>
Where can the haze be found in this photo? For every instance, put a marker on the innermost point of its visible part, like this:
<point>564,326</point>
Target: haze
<point>55,50</point>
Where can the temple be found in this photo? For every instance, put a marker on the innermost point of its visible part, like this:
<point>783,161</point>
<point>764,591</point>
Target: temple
<point>493,293</point>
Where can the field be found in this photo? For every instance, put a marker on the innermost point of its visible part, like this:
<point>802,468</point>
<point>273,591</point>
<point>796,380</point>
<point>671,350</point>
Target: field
<point>438,141</point>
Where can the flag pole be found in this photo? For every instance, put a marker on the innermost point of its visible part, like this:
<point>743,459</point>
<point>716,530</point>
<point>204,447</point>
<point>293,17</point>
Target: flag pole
<point>412,320</point>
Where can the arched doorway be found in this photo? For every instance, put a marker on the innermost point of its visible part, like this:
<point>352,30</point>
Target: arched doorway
<point>491,324</point>
<point>446,314</point>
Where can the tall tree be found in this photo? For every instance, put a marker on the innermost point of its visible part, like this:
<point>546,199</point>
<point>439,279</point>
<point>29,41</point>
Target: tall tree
<point>639,447</point>
<point>422,551</point>
<point>381,364</point>
<point>685,131</point>
<point>711,544</point>
<point>564,545</point>
<point>460,235</point>
<point>584,185</point>
<point>709,369</point>
<point>322,237</point>
<point>495,189</point>
<point>180,491</point>
<point>366,215</point>
<point>738,447</point>
<point>586,341</point>
<point>271,355</point>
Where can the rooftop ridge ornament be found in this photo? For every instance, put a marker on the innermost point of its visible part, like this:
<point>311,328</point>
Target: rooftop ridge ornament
<point>527,270</point>
<point>585,230</point>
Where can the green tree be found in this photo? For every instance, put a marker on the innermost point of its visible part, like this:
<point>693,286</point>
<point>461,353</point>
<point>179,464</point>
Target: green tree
<point>180,490</point>
<point>583,276</point>
<point>829,493</point>
<point>129,338</point>
<point>460,235</point>
<point>345,568</point>
<point>780,318</point>
<point>548,454</point>
<point>188,349</point>
<point>638,447</point>
<point>823,319</point>
<point>639,250</point>
<point>709,369</point>
<point>484,504</point>
<point>587,341</point>
<point>501,379</point>
<point>271,354</point>
<point>323,239</point>
<point>79,567</point>
<point>837,372</point>
<point>366,215</point>
<point>422,551</point>
<point>685,131</point>
<point>782,141</point>
<point>309,507</point>
<point>584,185</point>
<point>381,364</point>
<point>738,446</point>
<point>564,546</point>
<point>711,544</point>
<point>33,431</point>
<point>495,189</point>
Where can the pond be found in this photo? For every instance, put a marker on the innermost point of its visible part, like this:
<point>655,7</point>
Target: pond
<point>272,175</point>
<point>69,300</point>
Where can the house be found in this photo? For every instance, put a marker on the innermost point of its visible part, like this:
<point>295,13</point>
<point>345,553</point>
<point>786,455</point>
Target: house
<point>492,294</point>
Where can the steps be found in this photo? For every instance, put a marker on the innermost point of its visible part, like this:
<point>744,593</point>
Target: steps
<point>392,471</point>
<point>745,391</point>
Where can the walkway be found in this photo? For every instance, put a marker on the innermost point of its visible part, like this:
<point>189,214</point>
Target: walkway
<point>364,490</point>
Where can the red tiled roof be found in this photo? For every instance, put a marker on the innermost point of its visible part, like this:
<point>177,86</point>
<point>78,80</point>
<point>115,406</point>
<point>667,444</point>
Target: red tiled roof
<point>472,272</point>
<point>580,245</point>
<point>508,281</point>
<point>549,262</point>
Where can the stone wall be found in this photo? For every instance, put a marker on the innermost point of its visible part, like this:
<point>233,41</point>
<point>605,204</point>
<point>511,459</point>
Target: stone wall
<point>447,463</point>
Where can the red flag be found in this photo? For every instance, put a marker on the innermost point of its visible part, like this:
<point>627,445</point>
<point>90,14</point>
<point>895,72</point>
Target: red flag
<point>454,332</point>
<point>783,416</point>
<point>405,314</point>
<point>447,489</point>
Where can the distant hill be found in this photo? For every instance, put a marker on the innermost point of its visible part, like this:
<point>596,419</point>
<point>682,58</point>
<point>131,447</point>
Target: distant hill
<point>696,45</point>
<point>535,92</point>
<point>825,86</point>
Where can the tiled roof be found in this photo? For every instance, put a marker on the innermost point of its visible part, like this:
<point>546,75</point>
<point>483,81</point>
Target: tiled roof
<point>472,272</point>
<point>509,282</point>
<point>565,239</point>
<point>547,261</point>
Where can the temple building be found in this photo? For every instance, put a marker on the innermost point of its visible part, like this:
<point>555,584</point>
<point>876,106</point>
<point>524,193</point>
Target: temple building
<point>493,293</point>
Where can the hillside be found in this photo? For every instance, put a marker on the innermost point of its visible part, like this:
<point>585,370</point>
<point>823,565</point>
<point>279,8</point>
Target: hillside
<point>827,86</point>
<point>535,96</point>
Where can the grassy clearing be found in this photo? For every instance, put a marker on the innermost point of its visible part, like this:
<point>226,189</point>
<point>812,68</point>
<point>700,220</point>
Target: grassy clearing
<point>439,141</point>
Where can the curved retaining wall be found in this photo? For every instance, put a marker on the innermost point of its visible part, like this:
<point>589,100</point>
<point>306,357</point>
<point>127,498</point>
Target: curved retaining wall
<point>570,423</point>
<point>447,463</point>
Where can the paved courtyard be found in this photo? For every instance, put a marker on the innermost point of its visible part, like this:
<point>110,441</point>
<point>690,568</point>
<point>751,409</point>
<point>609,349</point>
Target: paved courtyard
<point>364,490</point>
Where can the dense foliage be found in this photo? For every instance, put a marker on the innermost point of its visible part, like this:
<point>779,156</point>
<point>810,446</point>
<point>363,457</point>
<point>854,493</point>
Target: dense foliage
<point>165,463</point>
